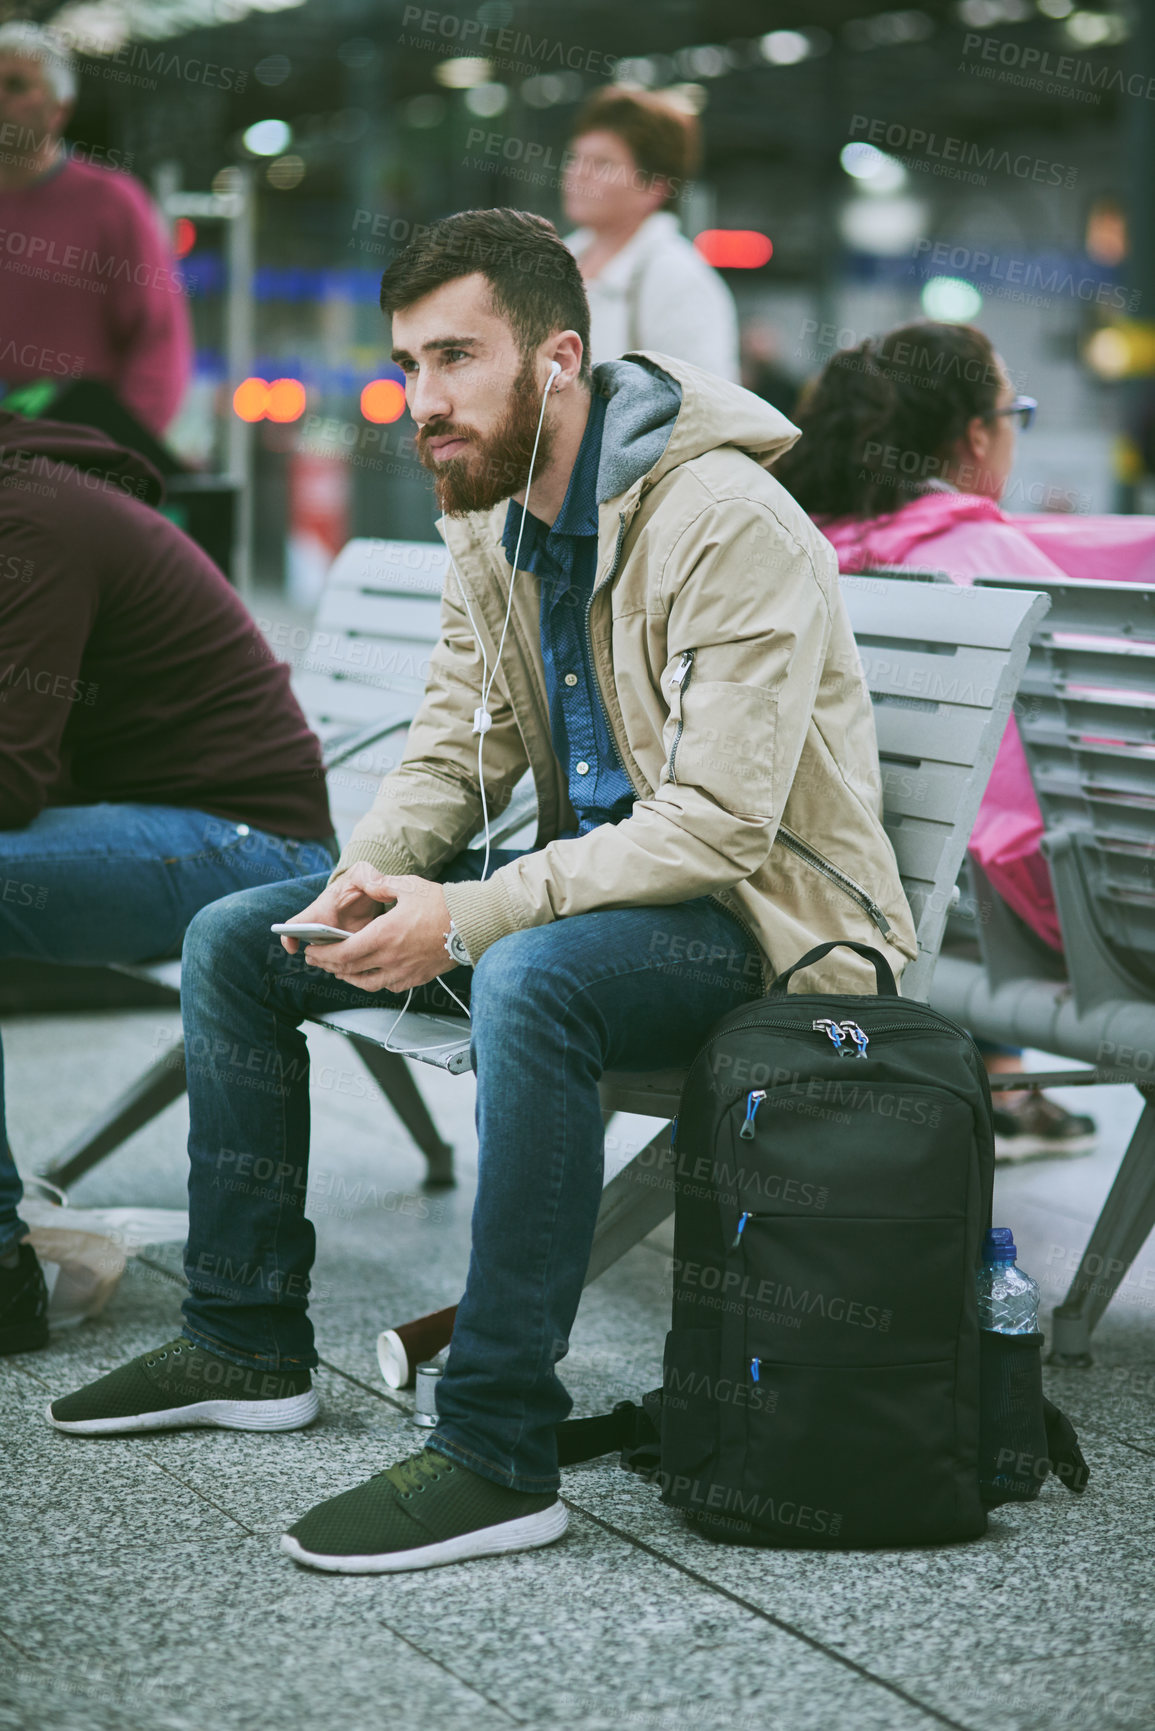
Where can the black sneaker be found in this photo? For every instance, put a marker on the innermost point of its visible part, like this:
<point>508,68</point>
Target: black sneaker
<point>182,1384</point>
<point>23,1304</point>
<point>1037,1126</point>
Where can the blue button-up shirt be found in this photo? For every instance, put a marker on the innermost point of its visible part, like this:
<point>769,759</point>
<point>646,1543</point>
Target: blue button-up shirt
<point>564,559</point>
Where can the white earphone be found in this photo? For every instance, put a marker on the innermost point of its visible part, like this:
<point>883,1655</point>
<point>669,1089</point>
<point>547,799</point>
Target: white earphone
<point>482,720</point>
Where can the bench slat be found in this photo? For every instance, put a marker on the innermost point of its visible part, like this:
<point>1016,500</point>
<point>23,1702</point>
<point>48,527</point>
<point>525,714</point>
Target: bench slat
<point>945,612</point>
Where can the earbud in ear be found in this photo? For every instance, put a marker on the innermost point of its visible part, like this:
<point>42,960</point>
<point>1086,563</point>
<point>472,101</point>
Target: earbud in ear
<point>554,370</point>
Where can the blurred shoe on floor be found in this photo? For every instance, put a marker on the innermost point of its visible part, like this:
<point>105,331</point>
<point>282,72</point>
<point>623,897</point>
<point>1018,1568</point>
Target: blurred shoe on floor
<point>23,1301</point>
<point>1031,1127</point>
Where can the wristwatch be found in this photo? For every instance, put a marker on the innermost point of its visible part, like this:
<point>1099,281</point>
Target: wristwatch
<point>455,944</point>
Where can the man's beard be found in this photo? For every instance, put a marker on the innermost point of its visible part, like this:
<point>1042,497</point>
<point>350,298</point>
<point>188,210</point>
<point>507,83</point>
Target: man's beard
<point>496,467</point>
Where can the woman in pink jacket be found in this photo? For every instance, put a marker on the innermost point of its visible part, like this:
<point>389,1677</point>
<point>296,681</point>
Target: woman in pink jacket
<point>907,444</point>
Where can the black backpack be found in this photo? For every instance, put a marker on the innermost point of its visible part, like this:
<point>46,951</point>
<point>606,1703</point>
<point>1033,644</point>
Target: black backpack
<point>826,1382</point>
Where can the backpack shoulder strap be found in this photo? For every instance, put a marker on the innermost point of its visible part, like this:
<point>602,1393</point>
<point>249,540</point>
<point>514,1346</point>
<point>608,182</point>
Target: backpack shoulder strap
<point>629,1428</point>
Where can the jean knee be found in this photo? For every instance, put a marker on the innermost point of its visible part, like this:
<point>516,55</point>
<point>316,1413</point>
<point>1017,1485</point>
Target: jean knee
<point>226,933</point>
<point>511,975</point>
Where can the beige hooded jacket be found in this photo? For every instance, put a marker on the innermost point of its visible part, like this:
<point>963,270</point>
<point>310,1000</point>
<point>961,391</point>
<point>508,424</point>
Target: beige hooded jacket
<point>732,686</point>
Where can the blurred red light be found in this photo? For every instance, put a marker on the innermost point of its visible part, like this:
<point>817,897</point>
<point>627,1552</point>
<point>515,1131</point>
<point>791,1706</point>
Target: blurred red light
<point>184,236</point>
<point>383,400</point>
<point>251,398</point>
<point>286,400</point>
<point>734,248</point>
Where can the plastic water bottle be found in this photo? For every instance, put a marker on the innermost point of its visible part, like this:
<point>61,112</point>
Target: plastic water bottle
<point>1008,1298</point>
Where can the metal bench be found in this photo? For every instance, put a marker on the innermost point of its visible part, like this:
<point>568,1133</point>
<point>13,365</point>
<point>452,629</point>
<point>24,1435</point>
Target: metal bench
<point>359,673</point>
<point>943,664</point>
<point>1085,713</point>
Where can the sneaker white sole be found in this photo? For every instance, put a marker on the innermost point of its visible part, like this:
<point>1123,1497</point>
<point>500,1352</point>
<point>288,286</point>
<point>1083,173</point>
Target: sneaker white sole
<point>293,1413</point>
<point>1008,1148</point>
<point>525,1534</point>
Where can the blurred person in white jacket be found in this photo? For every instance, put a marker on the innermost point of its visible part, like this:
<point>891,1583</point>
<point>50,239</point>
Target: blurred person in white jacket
<point>631,154</point>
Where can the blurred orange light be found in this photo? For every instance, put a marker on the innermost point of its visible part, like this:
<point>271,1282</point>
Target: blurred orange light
<point>383,400</point>
<point>250,399</point>
<point>286,400</point>
<point>734,248</point>
<point>184,236</point>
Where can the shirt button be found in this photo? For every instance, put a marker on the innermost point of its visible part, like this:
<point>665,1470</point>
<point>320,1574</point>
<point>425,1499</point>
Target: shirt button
<point>582,768</point>
<point>571,678</point>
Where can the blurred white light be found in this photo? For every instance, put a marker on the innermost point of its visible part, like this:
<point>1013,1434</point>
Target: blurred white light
<point>285,173</point>
<point>706,62</point>
<point>463,73</point>
<point>487,100</point>
<point>887,29</point>
<point>951,301</point>
<point>1055,8</point>
<point>875,171</point>
<point>423,111</point>
<point>548,88</point>
<point>273,69</point>
<point>268,137</point>
<point>884,227</point>
<point>1095,29</point>
<point>638,70</point>
<point>784,47</point>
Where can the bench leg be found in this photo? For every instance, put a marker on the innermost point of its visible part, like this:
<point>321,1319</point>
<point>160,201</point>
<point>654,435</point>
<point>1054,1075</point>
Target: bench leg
<point>161,1084</point>
<point>1116,1239</point>
<point>639,1198</point>
<point>394,1078</point>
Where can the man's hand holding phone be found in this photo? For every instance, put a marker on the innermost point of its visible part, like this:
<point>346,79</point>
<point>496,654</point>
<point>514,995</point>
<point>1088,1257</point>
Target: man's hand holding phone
<point>385,951</point>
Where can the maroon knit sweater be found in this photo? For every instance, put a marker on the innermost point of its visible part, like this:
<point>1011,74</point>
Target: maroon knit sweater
<point>129,669</point>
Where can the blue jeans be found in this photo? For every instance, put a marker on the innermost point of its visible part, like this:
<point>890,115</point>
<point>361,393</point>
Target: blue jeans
<point>92,884</point>
<point>551,1008</point>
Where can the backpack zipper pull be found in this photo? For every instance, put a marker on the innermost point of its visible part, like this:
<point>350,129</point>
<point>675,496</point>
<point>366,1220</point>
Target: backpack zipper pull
<point>756,1370</point>
<point>860,1039</point>
<point>741,1229</point>
<point>753,1100</point>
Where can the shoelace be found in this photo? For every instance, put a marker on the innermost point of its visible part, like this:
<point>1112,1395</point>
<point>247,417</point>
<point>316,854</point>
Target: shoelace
<point>418,1471</point>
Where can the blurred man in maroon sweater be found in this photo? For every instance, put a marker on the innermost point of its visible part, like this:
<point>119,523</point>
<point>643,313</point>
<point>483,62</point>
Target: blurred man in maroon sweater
<point>152,755</point>
<point>88,284</point>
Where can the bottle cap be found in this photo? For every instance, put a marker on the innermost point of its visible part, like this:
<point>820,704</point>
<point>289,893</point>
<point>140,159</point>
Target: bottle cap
<point>999,1245</point>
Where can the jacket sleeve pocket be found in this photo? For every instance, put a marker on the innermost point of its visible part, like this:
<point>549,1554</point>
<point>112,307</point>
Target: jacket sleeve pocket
<point>724,744</point>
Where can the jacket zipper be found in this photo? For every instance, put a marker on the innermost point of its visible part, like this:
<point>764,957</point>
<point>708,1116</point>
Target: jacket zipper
<point>590,643</point>
<point>795,845</point>
<point>681,679</point>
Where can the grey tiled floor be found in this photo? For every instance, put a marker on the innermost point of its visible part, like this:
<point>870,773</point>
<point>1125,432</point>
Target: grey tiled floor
<point>145,1589</point>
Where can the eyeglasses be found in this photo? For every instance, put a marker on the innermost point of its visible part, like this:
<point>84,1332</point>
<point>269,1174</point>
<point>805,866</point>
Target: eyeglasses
<point>1023,407</point>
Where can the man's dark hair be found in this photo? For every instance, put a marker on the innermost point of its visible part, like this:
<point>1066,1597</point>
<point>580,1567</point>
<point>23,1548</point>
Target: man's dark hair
<point>912,393</point>
<point>533,278</point>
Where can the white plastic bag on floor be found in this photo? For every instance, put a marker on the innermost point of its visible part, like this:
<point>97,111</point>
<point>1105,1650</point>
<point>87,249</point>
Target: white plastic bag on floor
<point>83,1251</point>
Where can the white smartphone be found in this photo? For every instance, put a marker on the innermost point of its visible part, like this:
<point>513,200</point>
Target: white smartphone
<point>311,934</point>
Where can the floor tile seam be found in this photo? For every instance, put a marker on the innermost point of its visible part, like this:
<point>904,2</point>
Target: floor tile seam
<point>13,1642</point>
<point>367,1387</point>
<point>779,1623</point>
<point>176,1478</point>
<point>433,1659</point>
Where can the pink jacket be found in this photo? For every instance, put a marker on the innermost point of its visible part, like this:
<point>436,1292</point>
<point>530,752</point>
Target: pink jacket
<point>967,536</point>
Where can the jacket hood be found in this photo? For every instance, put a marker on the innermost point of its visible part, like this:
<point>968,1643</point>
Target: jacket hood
<point>82,447</point>
<point>894,539</point>
<point>663,412</point>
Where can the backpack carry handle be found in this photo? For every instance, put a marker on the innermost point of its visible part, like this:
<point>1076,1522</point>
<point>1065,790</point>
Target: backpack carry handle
<point>887,986</point>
